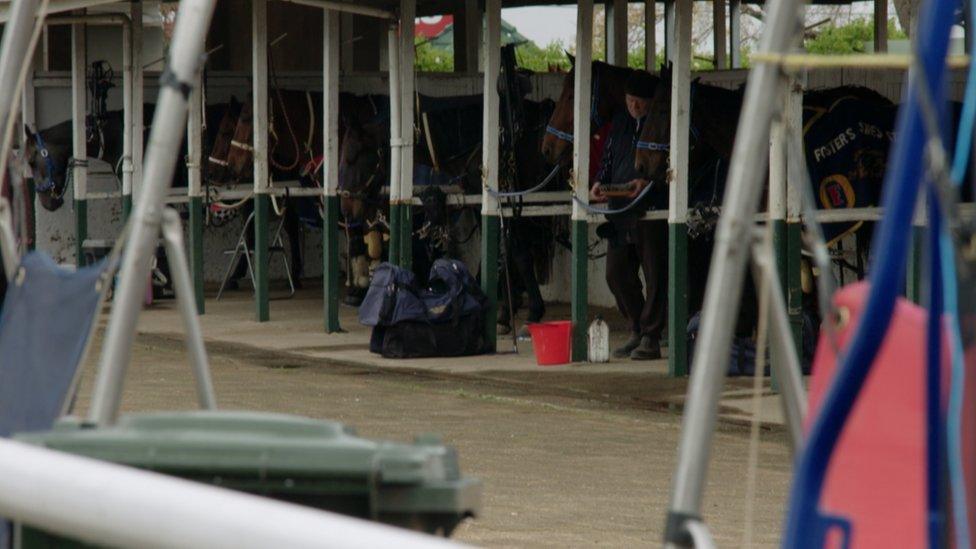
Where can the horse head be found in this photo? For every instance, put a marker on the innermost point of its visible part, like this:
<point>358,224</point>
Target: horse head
<point>362,166</point>
<point>47,155</point>
<point>240,153</point>
<point>653,145</point>
<point>607,88</point>
<point>217,159</point>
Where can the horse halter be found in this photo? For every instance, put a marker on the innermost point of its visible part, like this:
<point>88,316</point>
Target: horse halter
<point>654,146</point>
<point>48,185</point>
<point>594,112</point>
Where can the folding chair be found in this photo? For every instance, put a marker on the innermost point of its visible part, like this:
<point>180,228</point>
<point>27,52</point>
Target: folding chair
<point>242,249</point>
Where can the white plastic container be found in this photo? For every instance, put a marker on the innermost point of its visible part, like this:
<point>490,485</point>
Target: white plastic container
<point>599,341</point>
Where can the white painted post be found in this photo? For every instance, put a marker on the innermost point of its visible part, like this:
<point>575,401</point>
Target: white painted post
<point>127,123</point>
<point>29,118</point>
<point>473,21</point>
<point>650,35</point>
<point>678,190</point>
<point>79,173</point>
<point>194,149</point>
<point>616,32</point>
<point>581,176</point>
<point>138,94</point>
<point>718,24</point>
<point>395,150</point>
<point>408,10</point>
<point>735,33</point>
<point>330,167</point>
<point>259,93</point>
<point>490,214</point>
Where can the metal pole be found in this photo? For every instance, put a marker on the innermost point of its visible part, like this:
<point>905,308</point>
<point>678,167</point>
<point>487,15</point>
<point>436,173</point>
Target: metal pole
<point>581,176</point>
<point>786,363</point>
<point>616,32</point>
<point>650,35</point>
<point>127,122</point>
<point>9,253</point>
<point>727,272</point>
<point>29,118</point>
<point>164,144</point>
<point>138,92</point>
<point>194,147</point>
<point>330,125</point>
<point>106,504</point>
<point>776,208</point>
<point>719,39</point>
<point>678,191</point>
<point>408,9</point>
<point>14,48</point>
<point>490,220</point>
<point>196,351</point>
<point>259,92</point>
<point>395,150</point>
<point>735,34</point>
<point>79,174</point>
<point>796,175</point>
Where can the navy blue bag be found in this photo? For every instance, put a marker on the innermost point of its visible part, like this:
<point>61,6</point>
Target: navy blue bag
<point>445,318</point>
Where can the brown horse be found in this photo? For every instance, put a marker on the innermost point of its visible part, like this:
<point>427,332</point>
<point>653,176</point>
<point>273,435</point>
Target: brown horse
<point>608,97</point>
<point>216,171</point>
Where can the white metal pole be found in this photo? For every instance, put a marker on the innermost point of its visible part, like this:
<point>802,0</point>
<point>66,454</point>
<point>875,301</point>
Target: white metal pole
<point>650,35</point>
<point>680,113</point>
<point>581,107</point>
<point>616,32</point>
<point>330,102</point>
<point>13,49</point>
<point>727,272</point>
<point>718,24</point>
<point>169,123</point>
<point>79,173</point>
<point>106,504</point>
<point>408,8</point>
<point>127,121</point>
<point>259,93</point>
<point>194,139</point>
<point>394,70</point>
<point>138,94</point>
<point>490,113</point>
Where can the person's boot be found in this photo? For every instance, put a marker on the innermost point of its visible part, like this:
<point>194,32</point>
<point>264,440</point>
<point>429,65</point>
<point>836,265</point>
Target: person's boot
<point>649,349</point>
<point>627,348</point>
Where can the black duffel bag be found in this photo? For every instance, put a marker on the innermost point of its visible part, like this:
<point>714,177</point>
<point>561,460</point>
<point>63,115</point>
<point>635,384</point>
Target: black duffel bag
<point>444,319</point>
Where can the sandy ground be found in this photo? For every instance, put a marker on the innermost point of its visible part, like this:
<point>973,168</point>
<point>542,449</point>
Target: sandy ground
<point>567,459</point>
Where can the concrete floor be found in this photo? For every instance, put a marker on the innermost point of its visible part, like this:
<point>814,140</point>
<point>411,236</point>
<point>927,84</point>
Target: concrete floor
<point>570,455</point>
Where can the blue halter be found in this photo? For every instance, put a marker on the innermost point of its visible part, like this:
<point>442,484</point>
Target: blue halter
<point>597,121</point>
<point>666,147</point>
<point>48,184</point>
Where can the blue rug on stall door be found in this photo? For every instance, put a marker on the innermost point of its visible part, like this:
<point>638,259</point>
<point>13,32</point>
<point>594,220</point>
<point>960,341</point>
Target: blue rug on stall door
<point>45,323</point>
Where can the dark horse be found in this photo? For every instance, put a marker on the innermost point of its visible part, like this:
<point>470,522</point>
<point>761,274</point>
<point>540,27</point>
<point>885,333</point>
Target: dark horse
<point>49,151</point>
<point>294,137</point>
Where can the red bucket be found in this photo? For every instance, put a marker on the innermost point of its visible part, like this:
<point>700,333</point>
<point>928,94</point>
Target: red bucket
<point>551,341</point>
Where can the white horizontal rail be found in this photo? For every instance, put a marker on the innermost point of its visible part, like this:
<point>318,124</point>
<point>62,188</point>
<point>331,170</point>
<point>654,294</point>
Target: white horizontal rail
<point>108,504</point>
<point>56,6</point>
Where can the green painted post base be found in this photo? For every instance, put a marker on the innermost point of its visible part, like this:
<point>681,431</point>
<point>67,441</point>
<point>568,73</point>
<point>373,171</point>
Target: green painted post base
<point>781,252</point>
<point>261,257</point>
<point>490,230</point>
<point>794,289</point>
<point>677,299</point>
<point>406,236</point>
<point>581,294</point>
<point>81,230</point>
<point>127,207</point>
<point>330,268</point>
<point>913,287</point>
<point>196,248</point>
<point>395,233</point>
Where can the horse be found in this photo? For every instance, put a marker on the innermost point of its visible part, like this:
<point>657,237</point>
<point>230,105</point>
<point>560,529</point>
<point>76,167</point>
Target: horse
<point>49,152</point>
<point>607,89</point>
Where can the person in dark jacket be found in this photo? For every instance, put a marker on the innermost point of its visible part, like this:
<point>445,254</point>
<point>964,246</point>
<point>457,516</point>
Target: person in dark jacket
<point>635,244</point>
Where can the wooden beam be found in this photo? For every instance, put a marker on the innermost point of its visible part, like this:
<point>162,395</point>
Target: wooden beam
<point>616,32</point>
<point>490,215</point>
<point>678,190</point>
<point>138,100</point>
<point>259,92</point>
<point>880,26</point>
<point>735,34</point>
<point>581,180</point>
<point>650,35</point>
<point>718,24</point>
<point>79,143</point>
<point>330,166</point>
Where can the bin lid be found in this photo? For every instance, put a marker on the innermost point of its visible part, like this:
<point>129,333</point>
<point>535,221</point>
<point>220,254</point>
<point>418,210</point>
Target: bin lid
<point>276,449</point>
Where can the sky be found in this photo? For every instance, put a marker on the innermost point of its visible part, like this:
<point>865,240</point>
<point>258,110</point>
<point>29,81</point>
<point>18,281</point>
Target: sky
<point>544,24</point>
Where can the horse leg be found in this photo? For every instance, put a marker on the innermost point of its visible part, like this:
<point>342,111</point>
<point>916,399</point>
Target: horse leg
<point>525,267</point>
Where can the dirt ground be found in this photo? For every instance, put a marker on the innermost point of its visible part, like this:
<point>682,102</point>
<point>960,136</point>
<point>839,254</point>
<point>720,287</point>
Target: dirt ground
<point>560,468</point>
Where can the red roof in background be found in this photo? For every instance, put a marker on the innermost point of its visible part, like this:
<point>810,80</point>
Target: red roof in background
<point>431,27</point>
